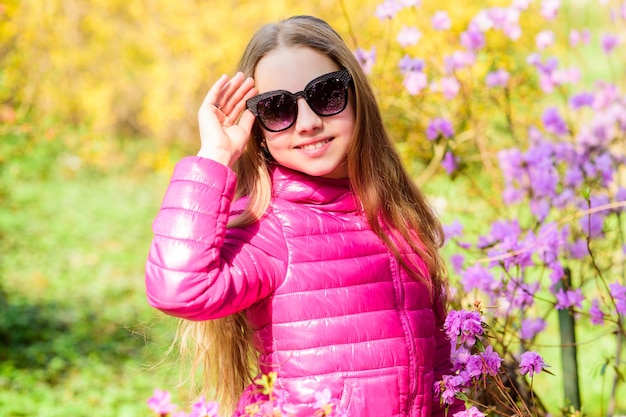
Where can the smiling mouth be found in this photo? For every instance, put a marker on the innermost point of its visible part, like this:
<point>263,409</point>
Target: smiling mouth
<point>315,145</point>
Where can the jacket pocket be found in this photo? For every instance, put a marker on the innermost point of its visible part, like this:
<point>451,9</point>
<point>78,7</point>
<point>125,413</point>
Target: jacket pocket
<point>371,396</point>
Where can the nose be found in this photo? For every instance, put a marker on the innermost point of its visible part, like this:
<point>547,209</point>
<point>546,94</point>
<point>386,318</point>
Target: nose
<point>307,119</point>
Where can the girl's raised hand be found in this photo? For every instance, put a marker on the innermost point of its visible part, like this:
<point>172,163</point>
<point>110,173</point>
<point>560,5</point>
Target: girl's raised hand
<point>225,124</point>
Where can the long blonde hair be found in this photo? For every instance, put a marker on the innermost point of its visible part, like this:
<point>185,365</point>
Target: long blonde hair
<point>225,348</point>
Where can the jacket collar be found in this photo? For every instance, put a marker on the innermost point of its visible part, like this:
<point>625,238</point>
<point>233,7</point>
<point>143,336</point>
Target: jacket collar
<point>322,193</point>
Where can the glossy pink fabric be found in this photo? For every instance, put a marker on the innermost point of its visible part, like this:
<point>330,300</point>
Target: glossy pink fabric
<point>332,307</point>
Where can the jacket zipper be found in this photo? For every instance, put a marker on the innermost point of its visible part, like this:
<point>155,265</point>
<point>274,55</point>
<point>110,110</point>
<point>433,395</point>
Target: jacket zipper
<point>408,331</point>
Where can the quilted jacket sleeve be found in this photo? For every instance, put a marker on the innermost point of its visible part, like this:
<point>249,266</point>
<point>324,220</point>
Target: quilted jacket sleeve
<point>196,268</point>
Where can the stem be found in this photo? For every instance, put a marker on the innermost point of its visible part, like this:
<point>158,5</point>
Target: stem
<point>569,358</point>
<point>618,358</point>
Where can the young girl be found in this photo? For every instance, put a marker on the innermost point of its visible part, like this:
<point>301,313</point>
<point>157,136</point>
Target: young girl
<point>296,243</point>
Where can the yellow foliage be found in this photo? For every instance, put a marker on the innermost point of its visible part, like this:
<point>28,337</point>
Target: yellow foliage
<point>142,67</point>
<point>138,67</point>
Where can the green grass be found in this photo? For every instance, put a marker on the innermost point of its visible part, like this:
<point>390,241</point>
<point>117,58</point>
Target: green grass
<point>77,337</point>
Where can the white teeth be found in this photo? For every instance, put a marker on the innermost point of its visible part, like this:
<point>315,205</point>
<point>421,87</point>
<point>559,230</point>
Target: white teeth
<point>314,146</point>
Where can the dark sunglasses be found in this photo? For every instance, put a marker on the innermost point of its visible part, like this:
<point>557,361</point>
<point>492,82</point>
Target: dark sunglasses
<point>326,95</point>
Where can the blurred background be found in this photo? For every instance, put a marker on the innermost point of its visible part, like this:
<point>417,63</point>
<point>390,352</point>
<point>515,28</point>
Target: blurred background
<point>98,100</point>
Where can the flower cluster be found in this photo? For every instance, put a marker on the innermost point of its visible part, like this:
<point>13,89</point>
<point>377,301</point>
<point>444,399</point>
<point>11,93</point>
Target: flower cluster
<point>474,362</point>
<point>266,400</point>
<point>508,101</point>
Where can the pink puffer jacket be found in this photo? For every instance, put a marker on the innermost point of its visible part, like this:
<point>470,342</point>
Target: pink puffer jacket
<point>333,308</point>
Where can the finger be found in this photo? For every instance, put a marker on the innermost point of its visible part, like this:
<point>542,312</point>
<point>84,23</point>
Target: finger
<point>213,96</point>
<point>246,92</point>
<point>233,92</point>
<point>247,121</point>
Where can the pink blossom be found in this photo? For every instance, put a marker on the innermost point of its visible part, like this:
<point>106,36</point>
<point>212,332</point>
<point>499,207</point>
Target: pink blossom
<point>531,363</point>
<point>459,60</point>
<point>449,387</point>
<point>491,361</point>
<point>449,87</point>
<point>473,38</point>
<point>506,19</point>
<point>441,21</point>
<point>544,39</point>
<point>579,37</point>
<point>521,4</point>
<point>499,78</point>
<point>407,64</point>
<point>161,402</point>
<point>569,298</point>
<point>323,398</point>
<point>550,8</point>
<point>450,162</point>
<point>366,58</point>
<point>553,122</point>
<point>596,314</point>
<point>470,412</point>
<point>457,261</point>
<point>609,42</point>
<point>387,9</point>
<point>531,327</point>
<point>463,325</point>
<point>618,292</point>
<point>415,82</point>
<point>619,13</point>
<point>439,127</point>
<point>408,35</point>
<point>204,408</point>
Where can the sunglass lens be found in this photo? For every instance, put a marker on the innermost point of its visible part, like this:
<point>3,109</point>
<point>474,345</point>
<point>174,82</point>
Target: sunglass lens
<point>328,98</point>
<point>277,112</point>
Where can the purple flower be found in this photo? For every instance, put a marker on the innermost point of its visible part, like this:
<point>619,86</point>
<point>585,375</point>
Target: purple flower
<point>408,35</point>
<point>463,325</point>
<point>204,408</point>
<point>491,361</point>
<point>579,37</point>
<point>441,21</point>
<point>478,277</point>
<point>618,292</point>
<point>450,162</point>
<point>407,64</point>
<point>411,3</point>
<point>457,261</point>
<point>449,86</point>
<point>544,39</point>
<point>415,82</point>
<point>470,412</point>
<point>569,298</point>
<point>520,4</point>
<point>449,387</point>
<point>550,8</point>
<point>473,39</point>
<point>387,9</point>
<point>596,314</point>
<point>619,12</point>
<point>455,229</point>
<point>609,42</point>
<point>161,402</point>
<point>531,363</point>
<point>580,100</point>
<point>459,60</point>
<point>439,127</point>
<point>531,327</point>
<point>366,58</point>
<point>499,78</point>
<point>553,122</point>
<point>578,249</point>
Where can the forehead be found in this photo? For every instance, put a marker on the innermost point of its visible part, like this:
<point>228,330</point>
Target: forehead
<point>291,69</point>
